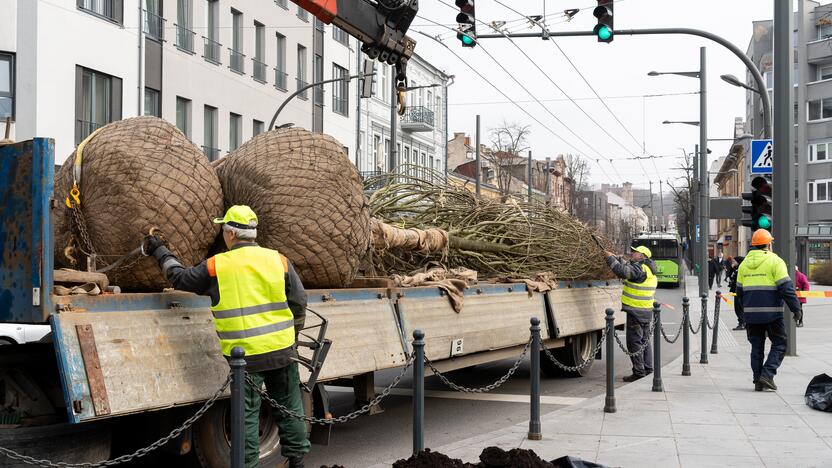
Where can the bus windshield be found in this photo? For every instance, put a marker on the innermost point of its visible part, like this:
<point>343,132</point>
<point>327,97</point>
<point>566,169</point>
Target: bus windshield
<point>660,248</point>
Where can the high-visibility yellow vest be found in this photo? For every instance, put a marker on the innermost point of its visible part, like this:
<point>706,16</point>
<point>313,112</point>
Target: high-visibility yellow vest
<point>639,297</point>
<point>252,311</point>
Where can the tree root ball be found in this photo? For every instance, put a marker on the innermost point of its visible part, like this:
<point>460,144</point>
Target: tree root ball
<point>137,174</point>
<point>309,201</point>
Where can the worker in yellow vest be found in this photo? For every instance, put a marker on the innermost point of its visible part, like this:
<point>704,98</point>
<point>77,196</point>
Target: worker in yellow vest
<point>259,304</point>
<point>639,275</point>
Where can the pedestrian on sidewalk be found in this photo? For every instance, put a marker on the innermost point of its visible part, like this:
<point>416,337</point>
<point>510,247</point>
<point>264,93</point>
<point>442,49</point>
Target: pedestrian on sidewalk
<point>720,269</point>
<point>639,275</point>
<point>711,272</point>
<point>732,287</point>
<point>763,285</point>
<point>802,283</point>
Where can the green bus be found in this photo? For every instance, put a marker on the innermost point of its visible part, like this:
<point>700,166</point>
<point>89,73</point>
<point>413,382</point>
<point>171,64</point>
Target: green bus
<point>667,253</point>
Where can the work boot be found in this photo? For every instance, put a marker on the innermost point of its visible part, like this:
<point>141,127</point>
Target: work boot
<point>633,378</point>
<point>764,383</point>
<point>740,326</point>
<point>291,462</point>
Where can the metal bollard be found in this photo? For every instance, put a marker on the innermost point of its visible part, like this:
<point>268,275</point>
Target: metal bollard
<point>534,422</point>
<point>714,347</point>
<point>685,336</point>
<point>238,405</point>
<point>657,348</point>
<point>609,404</point>
<point>703,354</point>
<point>418,391</point>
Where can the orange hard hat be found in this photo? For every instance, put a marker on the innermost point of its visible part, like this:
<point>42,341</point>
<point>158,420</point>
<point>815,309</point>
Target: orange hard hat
<point>761,237</point>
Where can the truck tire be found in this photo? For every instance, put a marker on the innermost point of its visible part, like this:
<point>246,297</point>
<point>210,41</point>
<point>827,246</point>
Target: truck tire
<point>577,350</point>
<point>212,435</point>
<point>70,443</point>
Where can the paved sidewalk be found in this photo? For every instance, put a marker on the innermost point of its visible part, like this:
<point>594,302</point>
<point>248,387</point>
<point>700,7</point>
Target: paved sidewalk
<point>712,418</point>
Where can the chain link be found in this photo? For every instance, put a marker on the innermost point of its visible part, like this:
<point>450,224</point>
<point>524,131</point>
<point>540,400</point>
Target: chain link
<point>124,458</point>
<point>690,325</point>
<point>708,322</point>
<point>580,366</point>
<point>642,347</point>
<point>678,332</point>
<point>487,388</point>
<point>340,419</point>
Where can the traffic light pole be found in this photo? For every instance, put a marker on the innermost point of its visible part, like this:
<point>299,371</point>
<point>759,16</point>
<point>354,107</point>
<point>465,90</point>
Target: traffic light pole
<point>704,208</point>
<point>758,78</point>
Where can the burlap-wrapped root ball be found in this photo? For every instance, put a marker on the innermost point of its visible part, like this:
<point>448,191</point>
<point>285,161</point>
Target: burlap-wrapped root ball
<point>309,201</point>
<point>137,174</point>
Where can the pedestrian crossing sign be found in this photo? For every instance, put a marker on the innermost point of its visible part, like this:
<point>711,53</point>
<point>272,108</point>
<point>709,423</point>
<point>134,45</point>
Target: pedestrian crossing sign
<point>762,156</point>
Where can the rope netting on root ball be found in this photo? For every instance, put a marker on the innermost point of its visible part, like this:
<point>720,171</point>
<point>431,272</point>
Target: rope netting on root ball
<point>309,202</point>
<point>485,235</point>
<point>125,179</point>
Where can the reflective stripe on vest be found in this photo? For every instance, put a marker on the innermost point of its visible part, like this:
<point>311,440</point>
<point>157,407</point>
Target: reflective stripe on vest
<point>639,296</point>
<point>252,311</point>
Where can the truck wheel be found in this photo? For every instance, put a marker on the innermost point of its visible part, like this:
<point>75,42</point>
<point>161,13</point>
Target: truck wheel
<point>70,443</point>
<point>577,350</point>
<point>212,435</point>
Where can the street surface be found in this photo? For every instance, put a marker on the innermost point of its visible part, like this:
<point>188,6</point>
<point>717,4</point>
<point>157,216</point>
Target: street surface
<point>451,416</point>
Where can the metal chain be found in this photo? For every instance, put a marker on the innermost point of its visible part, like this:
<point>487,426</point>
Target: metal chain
<point>697,328</point>
<point>487,388</point>
<point>581,365</point>
<point>340,419</point>
<point>124,458</point>
<point>708,321</point>
<point>678,332</point>
<point>642,347</point>
<point>81,226</point>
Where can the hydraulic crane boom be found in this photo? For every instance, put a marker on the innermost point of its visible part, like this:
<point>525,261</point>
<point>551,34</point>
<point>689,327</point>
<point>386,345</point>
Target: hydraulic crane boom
<point>380,25</point>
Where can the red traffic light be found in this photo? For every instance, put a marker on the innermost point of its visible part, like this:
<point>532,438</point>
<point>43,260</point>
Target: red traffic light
<point>465,5</point>
<point>602,12</point>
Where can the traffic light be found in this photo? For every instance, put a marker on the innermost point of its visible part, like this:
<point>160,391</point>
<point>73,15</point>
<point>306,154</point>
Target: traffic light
<point>759,210</point>
<point>604,29</point>
<point>467,20</point>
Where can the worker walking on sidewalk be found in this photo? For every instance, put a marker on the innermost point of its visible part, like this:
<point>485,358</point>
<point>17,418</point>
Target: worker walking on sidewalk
<point>639,275</point>
<point>259,304</point>
<point>763,284</point>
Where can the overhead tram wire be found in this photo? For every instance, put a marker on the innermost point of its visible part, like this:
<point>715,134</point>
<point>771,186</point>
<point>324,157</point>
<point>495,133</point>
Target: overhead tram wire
<point>523,109</point>
<point>568,59</point>
<point>588,98</point>
<point>582,140</point>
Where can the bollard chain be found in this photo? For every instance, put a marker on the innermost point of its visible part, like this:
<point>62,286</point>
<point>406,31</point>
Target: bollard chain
<point>340,419</point>
<point>678,332</point>
<point>697,328</point>
<point>124,458</point>
<point>581,365</point>
<point>708,321</point>
<point>642,347</point>
<point>487,388</point>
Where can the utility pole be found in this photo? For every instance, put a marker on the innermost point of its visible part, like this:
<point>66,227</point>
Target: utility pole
<point>694,247</point>
<point>661,205</point>
<point>652,211</point>
<point>393,161</point>
<point>783,182</point>
<point>529,185</point>
<point>478,171</point>
<point>704,209</point>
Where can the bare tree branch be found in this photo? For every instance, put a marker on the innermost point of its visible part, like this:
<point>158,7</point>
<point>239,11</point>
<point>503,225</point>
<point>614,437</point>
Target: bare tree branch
<point>507,142</point>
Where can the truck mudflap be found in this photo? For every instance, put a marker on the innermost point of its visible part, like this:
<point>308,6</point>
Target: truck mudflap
<point>162,352</point>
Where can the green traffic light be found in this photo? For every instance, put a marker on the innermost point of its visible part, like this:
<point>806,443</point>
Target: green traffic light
<point>764,222</point>
<point>467,40</point>
<point>604,32</point>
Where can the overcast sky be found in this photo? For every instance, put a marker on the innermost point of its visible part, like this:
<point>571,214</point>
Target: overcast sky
<point>617,71</point>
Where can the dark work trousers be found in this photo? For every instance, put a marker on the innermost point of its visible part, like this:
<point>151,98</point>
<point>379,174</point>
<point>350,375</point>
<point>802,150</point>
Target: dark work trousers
<point>283,385</point>
<point>757,332</point>
<point>637,335</point>
<point>738,312</point>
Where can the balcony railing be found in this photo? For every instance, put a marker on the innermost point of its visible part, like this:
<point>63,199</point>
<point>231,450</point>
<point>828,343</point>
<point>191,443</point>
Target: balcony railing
<point>318,95</point>
<point>212,50</point>
<point>301,84</point>
<point>85,128</point>
<point>260,68</point>
<point>184,38</point>
<point>238,61</point>
<point>211,153</point>
<point>340,105</point>
<point>154,25</point>
<point>417,118</point>
<point>280,79</point>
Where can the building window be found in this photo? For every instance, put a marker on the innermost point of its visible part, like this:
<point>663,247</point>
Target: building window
<point>6,85</point>
<point>301,79</point>
<point>824,31</point>
<point>340,35</point>
<point>154,23</point>
<point>235,131</point>
<point>340,90</point>
<point>384,95</point>
<point>282,3</point>
<point>210,133</point>
<point>256,127</point>
<point>819,152</point>
<point>317,77</point>
<point>212,45</point>
<point>183,115</point>
<point>259,52</point>
<point>376,149</point>
<point>236,50</point>
<point>820,191</point>
<point>184,34</point>
<point>824,72</point>
<point>280,75</point>
<point>100,102</point>
<point>303,14</point>
<point>152,106</point>
<point>820,109</point>
<point>112,10</point>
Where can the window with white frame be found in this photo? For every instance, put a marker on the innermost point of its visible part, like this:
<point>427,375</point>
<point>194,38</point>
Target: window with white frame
<point>340,35</point>
<point>256,127</point>
<point>183,115</point>
<point>340,90</point>
<point>820,109</point>
<point>824,72</point>
<point>824,31</point>
<point>6,85</point>
<point>819,152</point>
<point>820,191</point>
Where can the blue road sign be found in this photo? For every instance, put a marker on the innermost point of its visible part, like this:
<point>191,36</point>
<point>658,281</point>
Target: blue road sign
<point>697,233</point>
<point>762,156</point>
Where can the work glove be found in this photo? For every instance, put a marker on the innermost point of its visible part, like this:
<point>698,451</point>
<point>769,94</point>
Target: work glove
<point>151,243</point>
<point>798,316</point>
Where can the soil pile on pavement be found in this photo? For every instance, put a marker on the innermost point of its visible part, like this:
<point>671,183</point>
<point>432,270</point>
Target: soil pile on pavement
<point>428,459</point>
<point>491,457</point>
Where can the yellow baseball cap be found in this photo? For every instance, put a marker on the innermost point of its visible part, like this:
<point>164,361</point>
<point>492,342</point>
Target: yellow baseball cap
<point>643,250</point>
<point>239,216</point>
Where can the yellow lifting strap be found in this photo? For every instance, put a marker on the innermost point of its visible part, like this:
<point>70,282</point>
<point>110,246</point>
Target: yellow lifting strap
<point>75,191</point>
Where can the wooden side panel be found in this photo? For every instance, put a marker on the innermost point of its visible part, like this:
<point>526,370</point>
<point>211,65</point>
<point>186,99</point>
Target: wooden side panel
<point>148,359</point>
<point>580,310</point>
<point>492,320</point>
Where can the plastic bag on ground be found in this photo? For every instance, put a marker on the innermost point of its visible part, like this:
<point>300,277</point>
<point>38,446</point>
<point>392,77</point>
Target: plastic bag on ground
<point>573,462</point>
<point>819,393</point>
